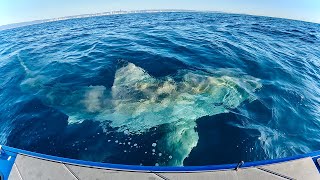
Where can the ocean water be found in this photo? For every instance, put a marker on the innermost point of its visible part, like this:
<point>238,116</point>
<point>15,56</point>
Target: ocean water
<point>169,89</point>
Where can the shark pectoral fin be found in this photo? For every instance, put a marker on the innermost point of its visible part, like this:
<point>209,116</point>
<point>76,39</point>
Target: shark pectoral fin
<point>179,142</point>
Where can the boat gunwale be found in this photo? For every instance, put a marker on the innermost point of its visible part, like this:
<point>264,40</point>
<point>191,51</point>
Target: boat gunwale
<point>137,168</point>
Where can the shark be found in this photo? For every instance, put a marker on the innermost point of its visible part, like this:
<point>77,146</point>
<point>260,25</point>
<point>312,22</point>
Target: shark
<point>137,102</point>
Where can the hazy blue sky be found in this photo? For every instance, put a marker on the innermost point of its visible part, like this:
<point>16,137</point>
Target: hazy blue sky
<point>13,11</point>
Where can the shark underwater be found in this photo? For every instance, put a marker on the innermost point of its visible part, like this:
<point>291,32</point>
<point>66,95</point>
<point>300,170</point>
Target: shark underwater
<point>137,102</point>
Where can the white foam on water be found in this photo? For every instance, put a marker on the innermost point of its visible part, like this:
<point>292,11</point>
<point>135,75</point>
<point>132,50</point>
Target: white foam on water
<point>23,65</point>
<point>138,102</point>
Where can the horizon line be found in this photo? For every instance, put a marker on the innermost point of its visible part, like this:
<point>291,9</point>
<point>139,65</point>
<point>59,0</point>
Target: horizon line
<point>119,12</point>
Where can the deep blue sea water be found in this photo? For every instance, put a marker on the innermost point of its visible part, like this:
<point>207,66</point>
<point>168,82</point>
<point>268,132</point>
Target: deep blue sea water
<point>179,88</point>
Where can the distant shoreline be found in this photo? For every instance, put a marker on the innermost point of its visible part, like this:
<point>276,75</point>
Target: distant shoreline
<point>21,24</point>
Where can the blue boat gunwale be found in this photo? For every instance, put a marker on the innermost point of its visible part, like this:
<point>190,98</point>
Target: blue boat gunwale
<point>314,155</point>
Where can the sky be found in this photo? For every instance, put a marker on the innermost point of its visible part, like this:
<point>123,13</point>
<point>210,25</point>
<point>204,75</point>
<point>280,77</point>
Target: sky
<point>14,11</point>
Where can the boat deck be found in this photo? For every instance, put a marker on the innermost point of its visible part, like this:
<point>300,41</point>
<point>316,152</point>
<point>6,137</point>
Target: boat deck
<point>27,165</point>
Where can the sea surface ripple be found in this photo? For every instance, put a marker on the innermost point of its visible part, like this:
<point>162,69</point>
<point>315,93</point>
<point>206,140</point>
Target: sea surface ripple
<point>170,88</point>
